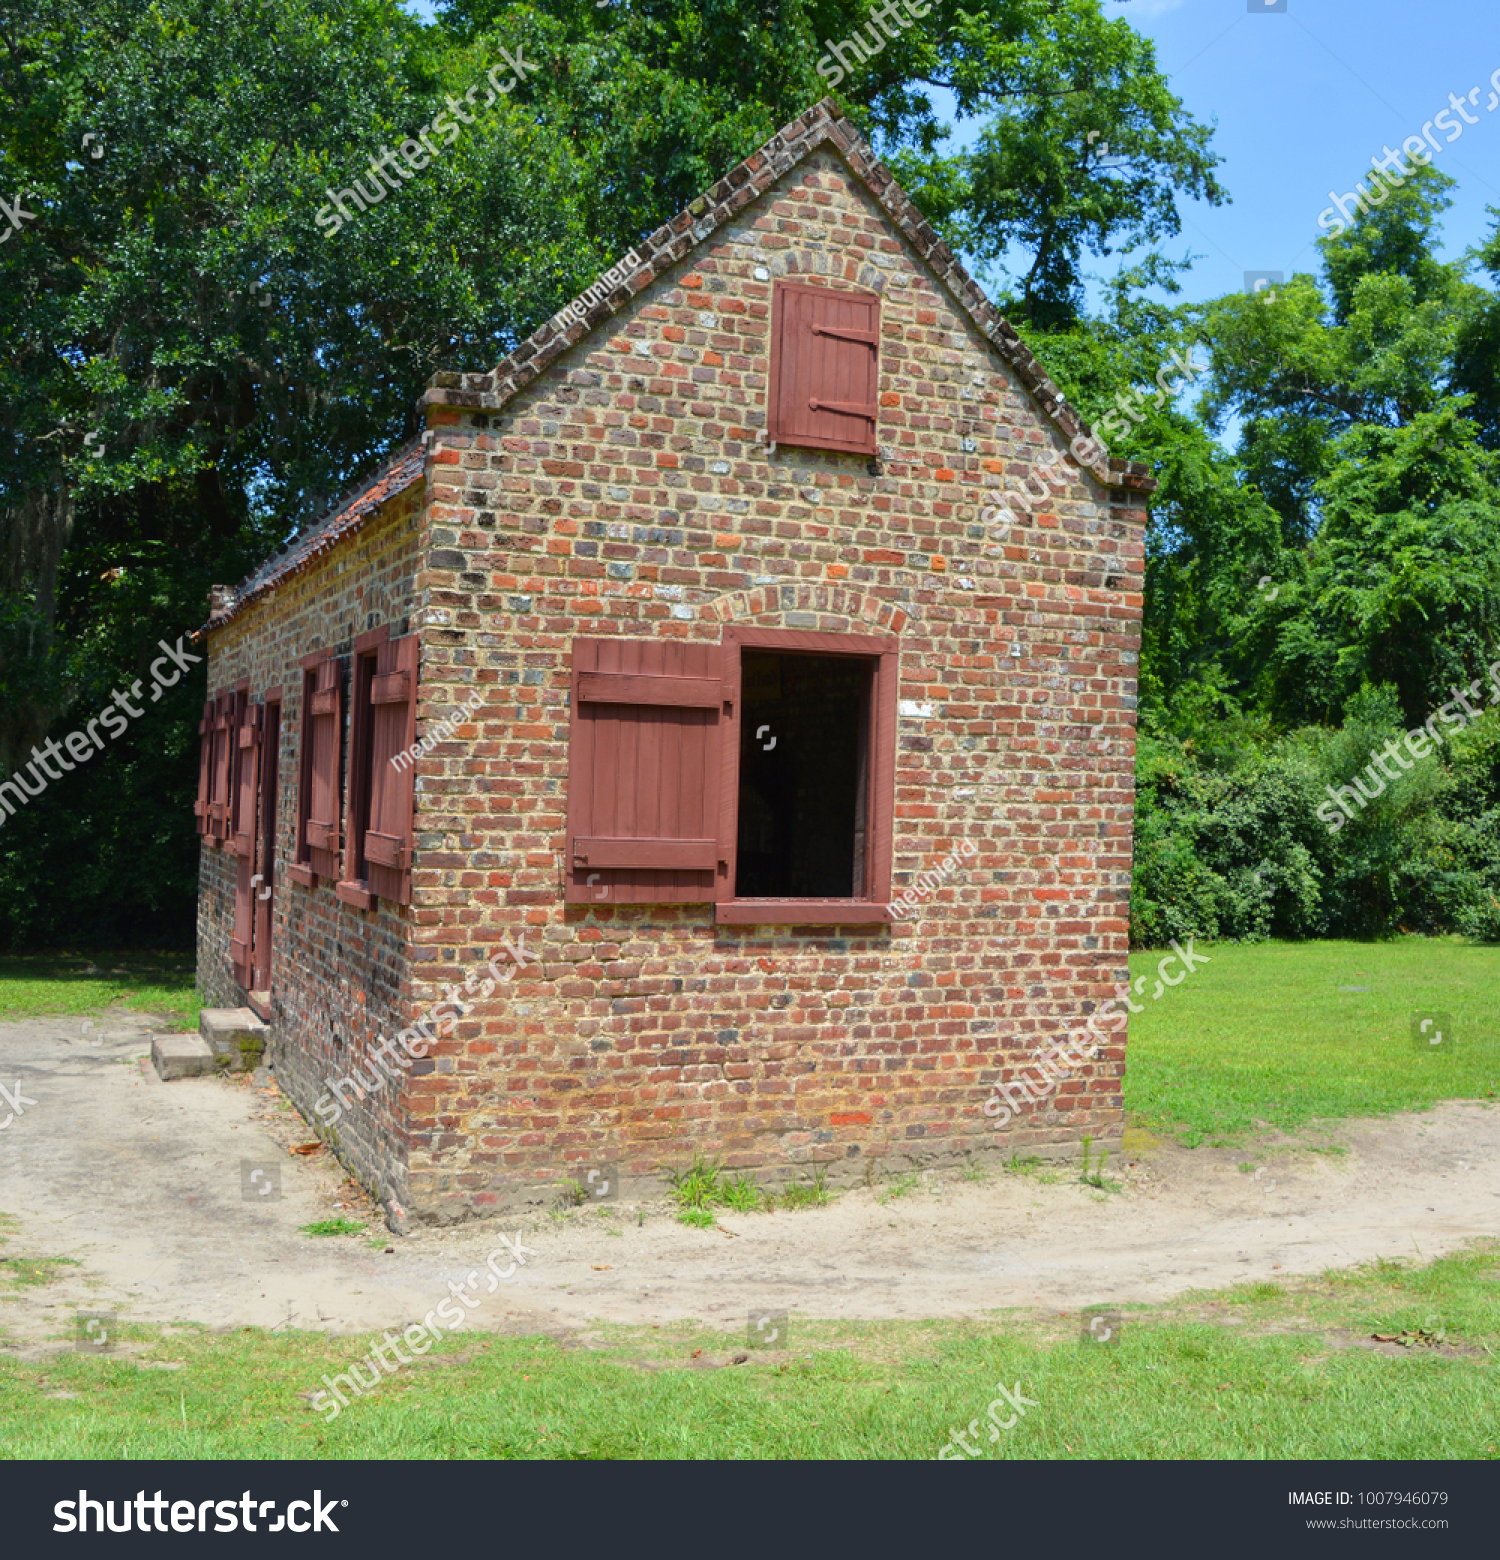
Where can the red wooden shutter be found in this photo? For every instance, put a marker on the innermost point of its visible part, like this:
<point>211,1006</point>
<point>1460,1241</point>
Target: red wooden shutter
<point>239,821</point>
<point>824,383</point>
<point>244,909</point>
<point>218,801</point>
<point>205,768</point>
<point>644,771</point>
<point>246,751</point>
<point>393,711</point>
<point>325,728</point>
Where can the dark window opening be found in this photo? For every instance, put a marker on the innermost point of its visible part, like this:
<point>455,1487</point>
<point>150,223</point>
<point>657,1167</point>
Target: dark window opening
<point>804,776</point>
<point>361,770</point>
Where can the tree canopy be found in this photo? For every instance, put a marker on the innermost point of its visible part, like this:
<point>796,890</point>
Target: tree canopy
<point>192,363</point>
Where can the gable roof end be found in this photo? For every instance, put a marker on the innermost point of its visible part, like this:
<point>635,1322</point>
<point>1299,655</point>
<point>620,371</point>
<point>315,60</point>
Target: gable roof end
<point>821,125</point>
<point>673,241</point>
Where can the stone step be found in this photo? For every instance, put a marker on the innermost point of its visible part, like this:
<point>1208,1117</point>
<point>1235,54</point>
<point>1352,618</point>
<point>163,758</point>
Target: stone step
<point>181,1056</point>
<point>236,1036</point>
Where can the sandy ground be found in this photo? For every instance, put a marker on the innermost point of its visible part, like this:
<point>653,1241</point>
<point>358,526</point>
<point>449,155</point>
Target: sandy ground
<point>142,1183</point>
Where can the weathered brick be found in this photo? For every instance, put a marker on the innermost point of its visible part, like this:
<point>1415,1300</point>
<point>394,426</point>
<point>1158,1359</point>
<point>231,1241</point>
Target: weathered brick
<point>613,482</point>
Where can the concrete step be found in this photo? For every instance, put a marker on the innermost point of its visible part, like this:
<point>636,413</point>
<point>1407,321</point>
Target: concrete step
<point>181,1056</point>
<point>236,1036</point>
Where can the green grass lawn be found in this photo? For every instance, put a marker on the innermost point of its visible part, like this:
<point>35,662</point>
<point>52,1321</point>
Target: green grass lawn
<point>43,985</point>
<point>1263,1034</point>
<point>1263,1370</point>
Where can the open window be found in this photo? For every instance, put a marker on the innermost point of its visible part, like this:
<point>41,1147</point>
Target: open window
<point>383,702</point>
<point>758,775</point>
<point>317,842</point>
<point>263,879</point>
<point>823,391</point>
<point>809,809</point>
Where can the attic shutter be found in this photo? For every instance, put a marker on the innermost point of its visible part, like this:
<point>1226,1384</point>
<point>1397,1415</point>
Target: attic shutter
<point>644,772</point>
<point>205,767</point>
<point>325,732</point>
<point>824,382</point>
<point>393,711</point>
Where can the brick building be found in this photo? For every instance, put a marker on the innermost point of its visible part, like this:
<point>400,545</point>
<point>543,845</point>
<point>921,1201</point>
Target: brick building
<point>784,787</point>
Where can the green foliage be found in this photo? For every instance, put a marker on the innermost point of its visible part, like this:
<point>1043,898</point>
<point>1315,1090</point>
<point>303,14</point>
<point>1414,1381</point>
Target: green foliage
<point>1310,597</point>
<point>326,1227</point>
<point>811,1193</point>
<point>191,365</point>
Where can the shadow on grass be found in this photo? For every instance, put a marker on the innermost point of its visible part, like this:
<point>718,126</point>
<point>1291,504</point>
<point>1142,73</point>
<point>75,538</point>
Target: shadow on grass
<point>44,984</point>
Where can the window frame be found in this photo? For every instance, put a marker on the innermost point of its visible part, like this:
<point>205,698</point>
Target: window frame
<point>873,907</point>
<point>300,869</point>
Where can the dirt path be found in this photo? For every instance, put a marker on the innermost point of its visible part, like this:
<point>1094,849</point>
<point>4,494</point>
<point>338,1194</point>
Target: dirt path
<point>140,1182</point>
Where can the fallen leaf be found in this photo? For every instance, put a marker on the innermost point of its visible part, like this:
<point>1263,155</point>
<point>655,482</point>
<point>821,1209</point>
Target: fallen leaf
<point>306,1148</point>
<point>697,1352</point>
<point>601,1267</point>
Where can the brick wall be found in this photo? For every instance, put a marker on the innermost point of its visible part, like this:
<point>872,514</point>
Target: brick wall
<point>625,490</point>
<point>340,976</point>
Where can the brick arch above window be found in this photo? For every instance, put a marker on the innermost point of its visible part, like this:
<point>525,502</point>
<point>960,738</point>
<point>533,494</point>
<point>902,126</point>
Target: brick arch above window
<point>812,265</point>
<point>768,605</point>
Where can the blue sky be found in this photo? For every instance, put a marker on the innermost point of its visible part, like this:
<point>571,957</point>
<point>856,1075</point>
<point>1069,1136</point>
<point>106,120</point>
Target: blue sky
<point>1303,99</point>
